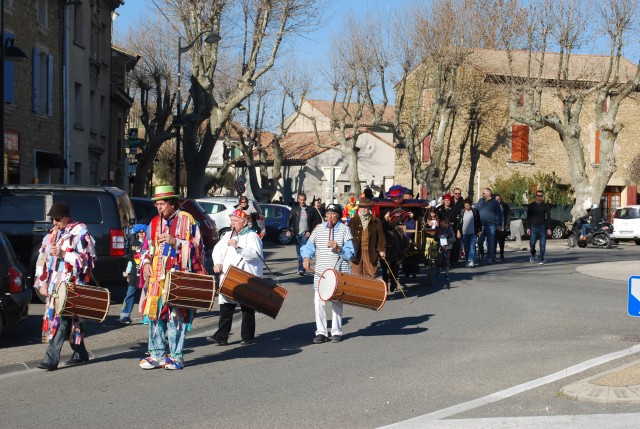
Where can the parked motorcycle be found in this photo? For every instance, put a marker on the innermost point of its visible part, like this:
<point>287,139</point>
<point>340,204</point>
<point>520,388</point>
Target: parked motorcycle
<point>600,236</point>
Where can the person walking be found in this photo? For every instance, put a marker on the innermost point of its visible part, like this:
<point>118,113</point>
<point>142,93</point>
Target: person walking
<point>331,244</point>
<point>491,219</point>
<point>317,214</point>
<point>470,230</point>
<point>539,216</point>
<point>368,240</point>
<point>67,254</point>
<point>298,226</point>
<point>175,244</point>
<point>242,248</point>
<point>502,234</point>
<point>138,247</point>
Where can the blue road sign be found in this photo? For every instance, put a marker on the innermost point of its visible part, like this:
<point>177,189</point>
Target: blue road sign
<point>634,296</point>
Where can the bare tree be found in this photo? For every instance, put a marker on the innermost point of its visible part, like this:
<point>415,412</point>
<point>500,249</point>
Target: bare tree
<point>432,43</point>
<point>265,26</point>
<point>152,80</point>
<point>565,25</point>
<point>358,63</point>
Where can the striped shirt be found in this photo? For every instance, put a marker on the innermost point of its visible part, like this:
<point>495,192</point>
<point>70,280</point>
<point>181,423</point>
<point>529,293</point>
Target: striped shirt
<point>317,246</point>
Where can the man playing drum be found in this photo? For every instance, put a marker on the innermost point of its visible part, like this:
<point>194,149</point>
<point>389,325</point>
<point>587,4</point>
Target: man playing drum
<point>67,255</point>
<point>174,244</point>
<point>242,248</point>
<point>368,240</point>
<point>332,245</point>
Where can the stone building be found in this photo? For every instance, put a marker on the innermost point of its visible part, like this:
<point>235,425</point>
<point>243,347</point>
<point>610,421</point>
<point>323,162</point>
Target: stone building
<point>486,144</point>
<point>58,103</point>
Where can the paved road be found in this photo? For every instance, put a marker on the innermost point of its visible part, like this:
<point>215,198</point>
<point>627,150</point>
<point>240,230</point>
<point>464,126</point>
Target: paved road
<point>499,344</point>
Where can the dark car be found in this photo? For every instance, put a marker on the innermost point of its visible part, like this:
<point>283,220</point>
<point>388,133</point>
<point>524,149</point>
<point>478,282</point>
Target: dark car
<point>14,293</point>
<point>558,228</point>
<point>275,219</point>
<point>146,210</point>
<point>106,211</point>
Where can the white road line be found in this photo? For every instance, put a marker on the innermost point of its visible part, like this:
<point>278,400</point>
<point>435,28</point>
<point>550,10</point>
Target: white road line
<point>589,421</point>
<point>421,421</point>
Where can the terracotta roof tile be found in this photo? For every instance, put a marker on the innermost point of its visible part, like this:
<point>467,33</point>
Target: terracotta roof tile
<point>583,67</point>
<point>325,107</point>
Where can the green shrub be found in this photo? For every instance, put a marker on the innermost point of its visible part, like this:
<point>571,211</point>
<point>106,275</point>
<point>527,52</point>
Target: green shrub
<point>519,190</point>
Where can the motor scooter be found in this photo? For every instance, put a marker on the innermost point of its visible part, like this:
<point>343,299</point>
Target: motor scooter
<point>600,236</point>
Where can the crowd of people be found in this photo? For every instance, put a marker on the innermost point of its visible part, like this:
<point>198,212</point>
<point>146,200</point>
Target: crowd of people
<point>351,239</point>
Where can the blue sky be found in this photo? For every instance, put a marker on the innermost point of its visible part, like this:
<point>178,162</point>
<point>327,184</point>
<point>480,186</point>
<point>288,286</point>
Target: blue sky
<point>316,44</point>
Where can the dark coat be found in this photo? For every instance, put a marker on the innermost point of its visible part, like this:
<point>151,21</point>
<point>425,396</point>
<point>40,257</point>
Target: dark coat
<point>377,242</point>
<point>477,224</point>
<point>294,219</point>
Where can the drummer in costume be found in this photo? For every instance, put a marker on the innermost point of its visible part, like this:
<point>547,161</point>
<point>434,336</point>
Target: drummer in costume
<point>368,240</point>
<point>174,244</point>
<point>242,248</point>
<point>332,245</point>
<point>67,255</point>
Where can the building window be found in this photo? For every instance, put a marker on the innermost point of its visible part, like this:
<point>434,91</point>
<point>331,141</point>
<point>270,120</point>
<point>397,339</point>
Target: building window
<point>11,157</point>
<point>426,149</point>
<point>347,189</point>
<point>92,112</point>
<point>41,13</point>
<point>78,27</point>
<point>9,76</point>
<point>520,143</point>
<point>42,82</point>
<point>78,106</point>
<point>596,148</point>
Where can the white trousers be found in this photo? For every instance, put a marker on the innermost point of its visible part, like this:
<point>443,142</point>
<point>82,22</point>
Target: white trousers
<point>321,316</point>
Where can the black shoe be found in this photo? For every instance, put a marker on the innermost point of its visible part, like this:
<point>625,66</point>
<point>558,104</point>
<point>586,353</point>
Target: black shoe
<point>212,339</point>
<point>319,339</point>
<point>336,338</point>
<point>76,361</point>
<point>124,321</point>
<point>44,365</point>
<point>301,273</point>
<point>246,342</point>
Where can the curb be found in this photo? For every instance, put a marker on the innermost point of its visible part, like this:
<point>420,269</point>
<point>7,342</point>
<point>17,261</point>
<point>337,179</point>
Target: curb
<point>619,386</point>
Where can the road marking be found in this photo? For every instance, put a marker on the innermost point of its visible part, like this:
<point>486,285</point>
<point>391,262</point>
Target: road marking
<point>589,421</point>
<point>427,420</point>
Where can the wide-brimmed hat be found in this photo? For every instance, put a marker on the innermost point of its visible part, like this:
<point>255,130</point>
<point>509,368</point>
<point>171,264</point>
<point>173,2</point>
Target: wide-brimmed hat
<point>336,208</point>
<point>163,192</point>
<point>364,203</point>
<point>397,191</point>
<point>239,213</point>
<point>59,210</point>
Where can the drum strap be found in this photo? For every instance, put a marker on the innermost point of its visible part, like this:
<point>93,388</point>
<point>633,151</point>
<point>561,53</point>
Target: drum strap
<point>275,279</point>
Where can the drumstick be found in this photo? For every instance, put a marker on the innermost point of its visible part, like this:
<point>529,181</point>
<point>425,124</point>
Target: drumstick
<point>275,279</point>
<point>394,277</point>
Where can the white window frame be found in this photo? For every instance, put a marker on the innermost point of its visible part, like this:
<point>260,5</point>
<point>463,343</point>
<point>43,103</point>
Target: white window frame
<point>42,94</point>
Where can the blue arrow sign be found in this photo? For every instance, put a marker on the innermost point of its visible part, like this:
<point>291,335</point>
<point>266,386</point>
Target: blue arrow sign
<point>634,296</point>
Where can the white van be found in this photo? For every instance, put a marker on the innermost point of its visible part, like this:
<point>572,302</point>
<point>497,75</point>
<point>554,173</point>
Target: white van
<point>626,224</point>
<point>219,208</point>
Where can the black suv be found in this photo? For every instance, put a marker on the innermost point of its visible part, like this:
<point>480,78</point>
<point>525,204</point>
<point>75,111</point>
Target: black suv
<point>106,211</point>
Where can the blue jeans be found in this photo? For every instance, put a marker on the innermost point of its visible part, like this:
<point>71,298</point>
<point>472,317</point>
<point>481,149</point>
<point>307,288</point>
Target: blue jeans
<point>301,240</point>
<point>129,299</point>
<point>176,328</point>
<point>469,243</point>
<point>489,234</point>
<point>538,233</point>
<point>586,228</point>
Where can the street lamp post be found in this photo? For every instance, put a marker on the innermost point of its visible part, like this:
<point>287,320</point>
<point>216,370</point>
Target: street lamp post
<point>412,162</point>
<point>9,52</point>
<point>211,38</point>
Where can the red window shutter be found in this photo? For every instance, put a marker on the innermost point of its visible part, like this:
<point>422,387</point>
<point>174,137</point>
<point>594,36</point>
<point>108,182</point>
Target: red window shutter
<point>596,150</point>
<point>426,149</point>
<point>519,143</point>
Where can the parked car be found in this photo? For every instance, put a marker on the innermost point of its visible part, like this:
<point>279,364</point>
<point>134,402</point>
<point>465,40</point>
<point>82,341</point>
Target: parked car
<point>106,211</point>
<point>558,228</point>
<point>14,293</point>
<point>145,210</point>
<point>219,208</point>
<point>276,217</point>
<point>626,224</point>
